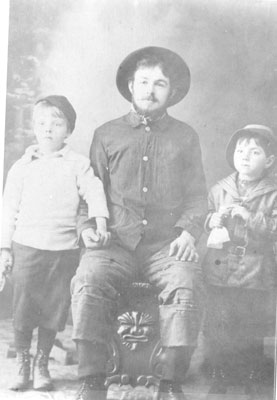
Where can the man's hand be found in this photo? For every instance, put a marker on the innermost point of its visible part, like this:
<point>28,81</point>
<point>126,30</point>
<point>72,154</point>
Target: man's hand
<point>6,261</point>
<point>91,239</point>
<point>94,239</point>
<point>183,247</point>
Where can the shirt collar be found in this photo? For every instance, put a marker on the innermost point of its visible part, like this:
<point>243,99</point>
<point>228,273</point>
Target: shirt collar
<point>134,119</point>
<point>33,152</point>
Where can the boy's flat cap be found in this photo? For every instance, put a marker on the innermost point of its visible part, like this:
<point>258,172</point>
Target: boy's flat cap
<point>256,130</point>
<point>177,64</point>
<point>62,103</point>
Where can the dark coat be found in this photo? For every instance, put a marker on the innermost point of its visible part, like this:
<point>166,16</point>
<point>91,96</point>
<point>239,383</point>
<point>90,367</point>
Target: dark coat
<point>248,260</point>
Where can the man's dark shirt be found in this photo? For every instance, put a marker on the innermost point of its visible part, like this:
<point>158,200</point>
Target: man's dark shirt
<point>153,178</point>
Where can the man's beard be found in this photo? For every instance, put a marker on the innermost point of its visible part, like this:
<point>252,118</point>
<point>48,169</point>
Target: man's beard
<point>153,114</point>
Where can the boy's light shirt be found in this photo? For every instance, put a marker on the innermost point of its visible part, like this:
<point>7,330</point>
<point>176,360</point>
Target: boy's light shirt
<point>42,195</point>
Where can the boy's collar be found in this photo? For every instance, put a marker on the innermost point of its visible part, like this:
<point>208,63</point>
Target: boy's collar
<point>264,185</point>
<point>33,152</point>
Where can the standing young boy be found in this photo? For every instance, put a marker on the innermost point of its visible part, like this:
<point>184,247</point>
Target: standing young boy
<point>40,209</point>
<point>240,269</point>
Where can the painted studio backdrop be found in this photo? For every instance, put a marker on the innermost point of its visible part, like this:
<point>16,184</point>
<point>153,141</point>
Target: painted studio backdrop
<point>73,47</point>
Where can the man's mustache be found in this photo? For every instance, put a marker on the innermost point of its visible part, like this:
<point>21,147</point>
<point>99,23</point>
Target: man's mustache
<point>150,98</point>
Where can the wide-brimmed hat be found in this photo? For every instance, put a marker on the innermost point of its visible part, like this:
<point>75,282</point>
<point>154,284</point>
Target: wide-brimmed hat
<point>177,64</point>
<point>62,103</point>
<point>256,130</point>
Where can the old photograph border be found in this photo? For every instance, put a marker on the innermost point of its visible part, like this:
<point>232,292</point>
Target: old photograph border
<point>132,18</point>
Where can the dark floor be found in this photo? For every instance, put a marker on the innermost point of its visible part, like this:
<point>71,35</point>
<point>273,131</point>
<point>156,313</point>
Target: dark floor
<point>66,383</point>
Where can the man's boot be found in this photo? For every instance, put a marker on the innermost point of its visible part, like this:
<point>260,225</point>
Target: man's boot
<point>92,388</point>
<point>175,362</point>
<point>170,390</point>
<point>22,379</point>
<point>41,376</point>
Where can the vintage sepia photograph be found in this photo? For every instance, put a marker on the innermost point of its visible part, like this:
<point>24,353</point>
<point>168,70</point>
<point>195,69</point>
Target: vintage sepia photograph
<point>138,254</point>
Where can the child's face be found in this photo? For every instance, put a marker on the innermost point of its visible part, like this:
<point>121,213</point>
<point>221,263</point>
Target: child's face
<point>250,159</point>
<point>50,128</point>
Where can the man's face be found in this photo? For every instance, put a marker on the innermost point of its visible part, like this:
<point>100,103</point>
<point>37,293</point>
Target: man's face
<point>150,90</point>
<point>50,129</point>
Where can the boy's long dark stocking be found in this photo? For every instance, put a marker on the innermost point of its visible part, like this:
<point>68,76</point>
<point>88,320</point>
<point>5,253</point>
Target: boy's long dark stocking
<point>46,338</point>
<point>22,339</point>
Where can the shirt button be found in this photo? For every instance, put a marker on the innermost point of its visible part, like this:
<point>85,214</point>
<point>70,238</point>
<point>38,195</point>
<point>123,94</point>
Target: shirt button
<point>145,158</point>
<point>145,189</point>
<point>147,129</point>
<point>144,221</point>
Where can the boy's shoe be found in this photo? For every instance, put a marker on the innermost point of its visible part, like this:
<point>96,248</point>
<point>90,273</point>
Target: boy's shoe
<point>22,379</point>
<point>170,390</point>
<point>219,382</point>
<point>41,376</point>
<point>92,388</point>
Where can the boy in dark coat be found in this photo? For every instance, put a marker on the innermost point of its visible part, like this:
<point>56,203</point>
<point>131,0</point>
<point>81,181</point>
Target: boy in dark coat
<point>239,266</point>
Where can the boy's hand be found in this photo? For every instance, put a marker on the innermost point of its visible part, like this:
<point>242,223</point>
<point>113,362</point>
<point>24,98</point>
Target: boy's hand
<point>241,212</point>
<point>6,261</point>
<point>217,218</point>
<point>102,233</point>
<point>104,237</point>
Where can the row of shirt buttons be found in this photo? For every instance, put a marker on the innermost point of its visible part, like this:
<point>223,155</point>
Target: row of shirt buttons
<point>145,189</point>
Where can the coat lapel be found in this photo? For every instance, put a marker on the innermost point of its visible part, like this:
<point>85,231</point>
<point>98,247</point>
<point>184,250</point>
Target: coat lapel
<point>230,186</point>
<point>265,185</point>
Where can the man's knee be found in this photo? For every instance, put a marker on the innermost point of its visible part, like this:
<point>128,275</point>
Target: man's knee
<point>93,268</point>
<point>183,282</point>
<point>87,282</point>
<point>180,295</point>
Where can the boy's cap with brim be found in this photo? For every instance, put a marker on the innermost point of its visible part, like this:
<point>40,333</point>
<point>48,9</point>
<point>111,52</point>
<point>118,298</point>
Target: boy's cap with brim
<point>257,130</point>
<point>128,66</point>
<point>62,103</point>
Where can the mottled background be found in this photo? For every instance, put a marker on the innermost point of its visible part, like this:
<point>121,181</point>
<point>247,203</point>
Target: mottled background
<point>74,47</point>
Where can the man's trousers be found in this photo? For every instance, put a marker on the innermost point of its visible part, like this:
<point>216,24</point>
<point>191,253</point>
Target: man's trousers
<point>104,273</point>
